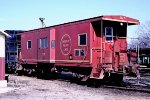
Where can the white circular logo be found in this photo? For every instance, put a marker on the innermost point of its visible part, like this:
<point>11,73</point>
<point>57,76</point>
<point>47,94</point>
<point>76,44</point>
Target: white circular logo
<point>65,44</point>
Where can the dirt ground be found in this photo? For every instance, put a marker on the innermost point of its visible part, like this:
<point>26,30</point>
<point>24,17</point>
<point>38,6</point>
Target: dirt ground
<point>29,88</point>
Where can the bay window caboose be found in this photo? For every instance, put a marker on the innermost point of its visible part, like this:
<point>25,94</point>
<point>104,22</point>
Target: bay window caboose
<point>91,48</point>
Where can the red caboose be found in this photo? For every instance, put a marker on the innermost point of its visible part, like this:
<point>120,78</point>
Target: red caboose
<point>92,47</point>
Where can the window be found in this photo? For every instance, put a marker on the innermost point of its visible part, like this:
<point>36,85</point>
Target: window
<point>53,44</point>
<point>76,52</point>
<point>43,43</point>
<point>19,46</point>
<point>79,52</point>
<point>29,45</point>
<point>82,39</point>
<point>109,33</point>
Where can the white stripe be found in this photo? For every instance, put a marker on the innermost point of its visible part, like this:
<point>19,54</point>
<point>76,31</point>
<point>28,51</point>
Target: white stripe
<point>79,61</point>
<point>91,58</point>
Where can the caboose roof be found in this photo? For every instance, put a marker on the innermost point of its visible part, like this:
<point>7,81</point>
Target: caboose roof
<point>113,18</point>
<point>120,18</point>
<point>116,18</point>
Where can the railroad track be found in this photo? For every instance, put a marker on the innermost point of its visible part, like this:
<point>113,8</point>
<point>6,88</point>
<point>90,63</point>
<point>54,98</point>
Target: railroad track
<point>141,87</point>
<point>130,84</point>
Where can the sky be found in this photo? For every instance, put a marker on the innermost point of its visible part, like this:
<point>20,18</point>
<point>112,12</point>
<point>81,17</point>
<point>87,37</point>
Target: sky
<point>24,14</point>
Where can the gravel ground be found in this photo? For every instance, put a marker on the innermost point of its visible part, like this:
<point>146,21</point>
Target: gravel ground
<point>28,88</point>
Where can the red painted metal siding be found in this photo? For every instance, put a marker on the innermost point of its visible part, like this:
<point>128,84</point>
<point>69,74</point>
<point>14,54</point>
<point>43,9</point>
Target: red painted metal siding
<point>29,55</point>
<point>2,68</point>
<point>69,33</point>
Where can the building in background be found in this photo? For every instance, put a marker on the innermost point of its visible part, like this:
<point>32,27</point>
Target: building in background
<point>13,46</point>
<point>3,82</point>
<point>144,56</point>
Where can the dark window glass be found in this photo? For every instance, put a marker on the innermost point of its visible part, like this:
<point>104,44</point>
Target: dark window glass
<point>81,52</point>
<point>109,33</point>
<point>29,44</point>
<point>43,43</point>
<point>19,46</point>
<point>82,39</point>
<point>53,44</point>
<point>76,52</point>
<point>108,38</point>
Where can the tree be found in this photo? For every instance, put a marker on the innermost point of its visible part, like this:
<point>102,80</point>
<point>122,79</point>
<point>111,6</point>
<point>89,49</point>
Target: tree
<point>143,39</point>
<point>133,43</point>
<point>144,35</point>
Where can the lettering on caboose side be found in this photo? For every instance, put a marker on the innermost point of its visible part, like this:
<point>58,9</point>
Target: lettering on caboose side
<point>65,44</point>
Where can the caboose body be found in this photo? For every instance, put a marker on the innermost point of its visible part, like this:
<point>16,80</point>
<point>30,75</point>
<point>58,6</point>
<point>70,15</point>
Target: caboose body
<point>95,47</point>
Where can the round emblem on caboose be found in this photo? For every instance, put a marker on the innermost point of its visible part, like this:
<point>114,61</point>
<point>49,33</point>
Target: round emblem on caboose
<point>65,44</point>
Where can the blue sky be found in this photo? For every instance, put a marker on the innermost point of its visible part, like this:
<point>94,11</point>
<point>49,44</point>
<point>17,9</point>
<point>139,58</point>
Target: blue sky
<point>24,14</point>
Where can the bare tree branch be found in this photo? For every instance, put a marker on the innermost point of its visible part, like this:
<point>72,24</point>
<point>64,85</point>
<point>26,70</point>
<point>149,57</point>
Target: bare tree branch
<point>143,36</point>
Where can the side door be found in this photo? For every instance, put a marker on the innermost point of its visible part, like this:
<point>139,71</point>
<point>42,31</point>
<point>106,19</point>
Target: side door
<point>43,46</point>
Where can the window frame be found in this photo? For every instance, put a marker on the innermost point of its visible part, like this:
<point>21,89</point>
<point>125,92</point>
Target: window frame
<point>79,52</point>
<point>28,44</point>
<point>109,35</point>
<point>46,43</point>
<point>79,39</point>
